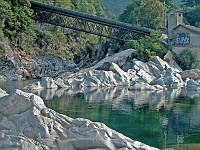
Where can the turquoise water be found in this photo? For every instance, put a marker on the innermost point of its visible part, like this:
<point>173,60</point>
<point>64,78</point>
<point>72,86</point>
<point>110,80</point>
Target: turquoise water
<point>138,115</point>
<point>169,119</point>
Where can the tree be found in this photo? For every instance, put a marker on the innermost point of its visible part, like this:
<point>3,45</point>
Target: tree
<point>169,3</point>
<point>130,14</point>
<point>186,59</point>
<point>148,13</point>
<point>17,19</point>
<point>60,3</point>
<point>5,14</point>
<point>147,47</point>
<point>92,7</point>
<point>190,3</point>
<point>192,16</point>
<point>152,14</point>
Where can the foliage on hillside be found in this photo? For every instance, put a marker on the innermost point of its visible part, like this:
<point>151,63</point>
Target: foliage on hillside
<point>17,26</point>
<point>186,59</point>
<point>115,6</point>
<point>147,47</point>
<point>190,3</point>
<point>192,15</point>
<point>191,10</point>
<point>15,19</point>
<point>145,13</point>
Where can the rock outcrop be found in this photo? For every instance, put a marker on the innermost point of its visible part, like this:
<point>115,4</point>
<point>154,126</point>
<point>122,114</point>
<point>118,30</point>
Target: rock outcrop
<point>192,74</point>
<point>192,85</point>
<point>122,59</point>
<point>156,75</point>
<point>29,124</point>
<point>3,93</point>
<point>17,65</point>
<point>171,62</point>
<point>49,66</point>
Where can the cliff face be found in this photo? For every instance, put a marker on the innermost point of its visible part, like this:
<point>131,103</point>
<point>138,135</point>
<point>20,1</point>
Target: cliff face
<point>115,6</point>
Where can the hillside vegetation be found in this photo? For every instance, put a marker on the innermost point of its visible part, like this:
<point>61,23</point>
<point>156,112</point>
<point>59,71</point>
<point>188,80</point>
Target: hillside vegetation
<point>115,6</point>
<point>17,27</point>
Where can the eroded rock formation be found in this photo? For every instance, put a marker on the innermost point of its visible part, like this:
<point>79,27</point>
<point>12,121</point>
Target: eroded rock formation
<point>26,123</point>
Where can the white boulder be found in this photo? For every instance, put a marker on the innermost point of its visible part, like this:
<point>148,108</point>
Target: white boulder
<point>192,74</point>
<point>142,87</point>
<point>192,85</point>
<point>3,93</point>
<point>29,124</point>
<point>48,83</point>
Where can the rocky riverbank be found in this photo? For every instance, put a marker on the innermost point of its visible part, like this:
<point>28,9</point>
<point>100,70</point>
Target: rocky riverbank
<point>17,65</point>
<point>121,70</point>
<point>29,124</point>
<point>26,123</point>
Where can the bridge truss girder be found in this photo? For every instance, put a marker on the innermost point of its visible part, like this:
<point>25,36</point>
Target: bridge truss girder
<point>81,24</point>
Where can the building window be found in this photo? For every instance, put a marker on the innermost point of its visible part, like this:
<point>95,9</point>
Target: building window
<point>180,15</point>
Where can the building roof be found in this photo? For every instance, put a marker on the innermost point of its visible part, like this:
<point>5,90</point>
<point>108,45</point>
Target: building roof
<point>191,28</point>
<point>176,10</point>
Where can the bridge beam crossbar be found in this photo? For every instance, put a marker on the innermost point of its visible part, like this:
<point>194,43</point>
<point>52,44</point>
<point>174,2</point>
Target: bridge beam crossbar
<point>43,13</point>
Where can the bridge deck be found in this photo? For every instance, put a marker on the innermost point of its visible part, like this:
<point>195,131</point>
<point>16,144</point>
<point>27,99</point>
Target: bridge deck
<point>90,18</point>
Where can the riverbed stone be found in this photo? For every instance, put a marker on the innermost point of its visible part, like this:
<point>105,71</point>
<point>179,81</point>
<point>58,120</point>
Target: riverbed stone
<point>61,83</point>
<point>120,58</point>
<point>163,65</point>
<point>105,66</point>
<point>172,79</point>
<point>153,67</point>
<point>118,71</point>
<point>143,71</point>
<point>34,86</point>
<point>171,62</point>
<point>192,74</point>
<point>75,82</point>
<point>31,125</point>
<point>142,87</point>
<point>2,78</point>
<point>49,66</point>
<point>159,81</point>
<point>49,83</point>
<point>192,85</point>
<point>3,93</point>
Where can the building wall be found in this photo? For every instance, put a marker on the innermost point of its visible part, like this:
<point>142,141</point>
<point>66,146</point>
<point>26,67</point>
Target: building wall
<point>186,38</point>
<point>174,19</point>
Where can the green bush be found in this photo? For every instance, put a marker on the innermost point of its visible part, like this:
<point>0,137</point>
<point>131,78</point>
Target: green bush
<point>186,59</point>
<point>147,47</point>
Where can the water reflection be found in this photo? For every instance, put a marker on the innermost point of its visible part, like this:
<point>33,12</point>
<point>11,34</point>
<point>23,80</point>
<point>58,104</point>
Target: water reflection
<point>159,118</point>
<point>114,96</point>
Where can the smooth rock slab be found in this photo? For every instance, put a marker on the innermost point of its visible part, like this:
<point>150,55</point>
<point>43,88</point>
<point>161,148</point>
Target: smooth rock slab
<point>31,125</point>
<point>192,74</point>
<point>2,93</point>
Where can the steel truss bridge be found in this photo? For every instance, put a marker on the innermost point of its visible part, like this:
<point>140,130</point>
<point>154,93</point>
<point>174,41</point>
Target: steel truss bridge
<point>87,23</point>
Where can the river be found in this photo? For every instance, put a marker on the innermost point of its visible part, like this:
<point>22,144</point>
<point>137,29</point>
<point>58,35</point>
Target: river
<point>166,119</point>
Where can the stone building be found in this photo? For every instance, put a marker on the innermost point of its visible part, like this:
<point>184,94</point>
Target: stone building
<point>186,35</point>
<point>175,17</point>
<point>182,36</point>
